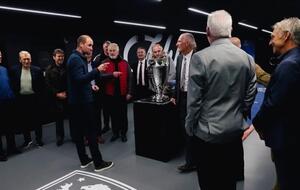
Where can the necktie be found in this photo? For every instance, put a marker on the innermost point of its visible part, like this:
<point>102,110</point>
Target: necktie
<point>141,73</point>
<point>183,71</point>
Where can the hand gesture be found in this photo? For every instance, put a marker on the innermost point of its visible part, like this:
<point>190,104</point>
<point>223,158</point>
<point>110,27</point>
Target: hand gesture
<point>116,74</point>
<point>173,101</point>
<point>102,67</point>
<point>95,88</point>
<point>61,95</point>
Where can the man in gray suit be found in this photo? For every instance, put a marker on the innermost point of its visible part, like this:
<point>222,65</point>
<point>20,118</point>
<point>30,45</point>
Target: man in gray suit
<point>186,45</point>
<point>221,90</point>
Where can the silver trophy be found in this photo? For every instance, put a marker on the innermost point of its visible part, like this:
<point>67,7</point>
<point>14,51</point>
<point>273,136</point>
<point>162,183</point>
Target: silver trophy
<point>158,71</point>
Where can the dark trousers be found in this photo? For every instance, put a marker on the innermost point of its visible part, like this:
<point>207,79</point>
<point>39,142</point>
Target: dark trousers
<point>38,135</point>
<point>30,116</point>
<point>182,114</point>
<point>98,108</point>
<point>118,111</point>
<point>10,143</point>
<point>240,160</point>
<point>7,128</point>
<point>83,123</point>
<point>287,168</point>
<point>215,164</point>
<point>105,110</point>
<point>60,132</point>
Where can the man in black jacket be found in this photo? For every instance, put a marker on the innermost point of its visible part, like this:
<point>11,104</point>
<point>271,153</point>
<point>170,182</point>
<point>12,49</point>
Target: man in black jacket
<point>56,84</point>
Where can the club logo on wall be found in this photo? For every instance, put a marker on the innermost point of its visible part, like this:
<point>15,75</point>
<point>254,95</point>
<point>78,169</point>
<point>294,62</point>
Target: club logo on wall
<point>82,180</point>
<point>152,40</point>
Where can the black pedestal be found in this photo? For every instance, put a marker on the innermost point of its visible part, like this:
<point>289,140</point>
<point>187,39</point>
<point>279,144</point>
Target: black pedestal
<point>157,132</point>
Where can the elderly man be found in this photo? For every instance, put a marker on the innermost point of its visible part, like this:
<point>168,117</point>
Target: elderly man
<point>276,121</point>
<point>186,45</point>
<point>28,85</point>
<point>118,91</point>
<point>221,90</point>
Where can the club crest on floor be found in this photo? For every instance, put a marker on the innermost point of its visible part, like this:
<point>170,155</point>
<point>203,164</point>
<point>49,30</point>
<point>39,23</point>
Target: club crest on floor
<point>85,181</point>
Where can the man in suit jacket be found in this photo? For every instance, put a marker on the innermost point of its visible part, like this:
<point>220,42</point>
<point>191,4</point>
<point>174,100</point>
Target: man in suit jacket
<point>221,90</point>
<point>118,91</point>
<point>276,121</point>
<point>28,85</point>
<point>81,100</point>
<point>186,45</point>
<point>56,86</point>
<point>7,126</point>
<point>140,75</point>
<point>98,59</point>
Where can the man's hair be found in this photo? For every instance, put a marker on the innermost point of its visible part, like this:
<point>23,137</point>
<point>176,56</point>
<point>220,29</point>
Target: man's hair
<point>157,44</point>
<point>291,25</point>
<point>113,46</point>
<point>58,51</point>
<point>23,52</point>
<point>82,39</point>
<point>191,39</point>
<point>106,42</point>
<point>141,48</point>
<point>220,24</point>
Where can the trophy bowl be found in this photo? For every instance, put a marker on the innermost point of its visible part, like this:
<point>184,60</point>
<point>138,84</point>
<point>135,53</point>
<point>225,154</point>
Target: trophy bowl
<point>158,75</point>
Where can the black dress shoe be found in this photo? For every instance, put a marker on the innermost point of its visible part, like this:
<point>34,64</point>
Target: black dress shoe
<point>59,142</point>
<point>114,137</point>
<point>186,168</point>
<point>105,129</point>
<point>39,143</point>
<point>124,138</point>
<point>13,151</point>
<point>3,158</point>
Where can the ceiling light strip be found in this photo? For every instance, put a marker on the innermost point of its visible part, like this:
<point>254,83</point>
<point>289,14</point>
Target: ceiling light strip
<point>139,24</point>
<point>248,25</point>
<point>198,11</point>
<point>39,12</point>
<point>192,31</point>
<point>266,31</point>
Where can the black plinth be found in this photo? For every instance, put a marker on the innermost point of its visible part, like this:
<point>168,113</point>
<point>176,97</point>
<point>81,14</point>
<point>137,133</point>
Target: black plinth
<point>156,129</point>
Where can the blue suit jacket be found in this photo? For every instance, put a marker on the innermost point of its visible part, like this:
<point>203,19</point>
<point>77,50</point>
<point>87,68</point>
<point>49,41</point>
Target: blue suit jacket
<point>78,79</point>
<point>276,119</point>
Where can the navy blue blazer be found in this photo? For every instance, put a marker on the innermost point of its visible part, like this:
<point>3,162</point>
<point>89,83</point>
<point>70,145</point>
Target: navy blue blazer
<point>277,119</point>
<point>78,79</point>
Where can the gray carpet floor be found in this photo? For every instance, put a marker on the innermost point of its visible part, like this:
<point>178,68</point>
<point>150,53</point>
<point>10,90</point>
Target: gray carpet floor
<point>37,166</point>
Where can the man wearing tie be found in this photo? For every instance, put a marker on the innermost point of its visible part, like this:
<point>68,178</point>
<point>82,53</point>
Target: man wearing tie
<point>140,73</point>
<point>186,45</point>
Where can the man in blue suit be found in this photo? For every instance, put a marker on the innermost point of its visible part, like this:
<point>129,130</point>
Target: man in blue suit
<point>81,100</point>
<point>276,121</point>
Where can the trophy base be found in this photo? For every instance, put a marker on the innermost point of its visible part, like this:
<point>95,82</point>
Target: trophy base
<point>161,100</point>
